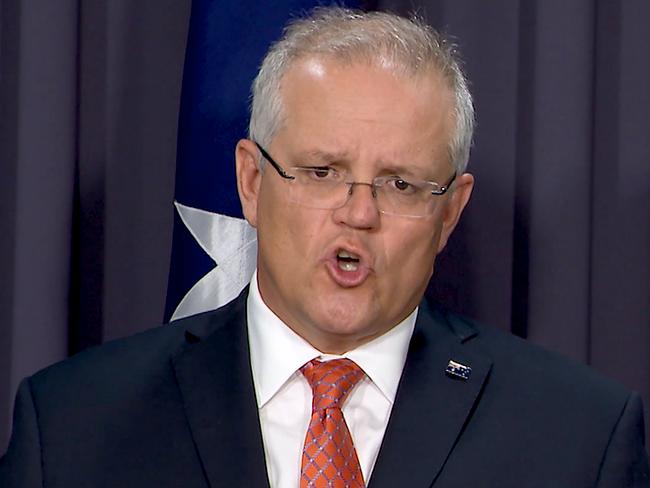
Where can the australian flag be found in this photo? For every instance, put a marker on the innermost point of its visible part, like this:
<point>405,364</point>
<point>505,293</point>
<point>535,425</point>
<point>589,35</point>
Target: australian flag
<point>214,249</point>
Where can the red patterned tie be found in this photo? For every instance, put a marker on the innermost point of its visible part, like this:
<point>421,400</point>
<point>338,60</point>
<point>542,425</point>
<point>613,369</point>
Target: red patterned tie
<point>329,459</point>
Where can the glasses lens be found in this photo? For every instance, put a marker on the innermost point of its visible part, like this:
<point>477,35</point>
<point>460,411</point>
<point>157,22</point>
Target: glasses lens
<point>323,188</point>
<point>406,198</point>
<point>325,191</point>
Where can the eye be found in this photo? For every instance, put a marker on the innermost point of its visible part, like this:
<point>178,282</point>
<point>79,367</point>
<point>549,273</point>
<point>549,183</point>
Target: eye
<point>401,186</point>
<point>321,173</point>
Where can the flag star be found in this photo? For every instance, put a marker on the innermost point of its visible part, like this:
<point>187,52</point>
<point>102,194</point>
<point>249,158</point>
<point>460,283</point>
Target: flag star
<point>232,245</point>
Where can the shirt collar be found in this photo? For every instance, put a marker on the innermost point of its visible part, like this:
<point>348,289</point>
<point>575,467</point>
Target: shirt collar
<point>277,352</point>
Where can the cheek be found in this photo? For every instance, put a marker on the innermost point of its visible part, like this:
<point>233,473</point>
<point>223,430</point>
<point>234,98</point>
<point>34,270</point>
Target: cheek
<point>412,249</point>
<point>294,233</point>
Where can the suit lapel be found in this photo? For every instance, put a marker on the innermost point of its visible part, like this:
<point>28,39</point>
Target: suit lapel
<point>431,407</point>
<point>215,380</point>
<point>430,410</point>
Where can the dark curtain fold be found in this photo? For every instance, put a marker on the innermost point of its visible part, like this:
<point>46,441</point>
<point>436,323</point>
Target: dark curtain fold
<point>554,247</point>
<point>38,93</point>
<point>90,93</point>
<point>619,333</point>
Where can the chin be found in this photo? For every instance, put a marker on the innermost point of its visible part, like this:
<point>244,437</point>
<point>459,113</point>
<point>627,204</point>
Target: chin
<point>347,316</point>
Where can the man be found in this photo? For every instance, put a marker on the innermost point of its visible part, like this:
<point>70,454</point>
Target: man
<point>330,370</point>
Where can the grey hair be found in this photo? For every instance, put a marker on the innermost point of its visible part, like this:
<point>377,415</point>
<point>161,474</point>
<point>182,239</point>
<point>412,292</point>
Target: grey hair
<point>409,46</point>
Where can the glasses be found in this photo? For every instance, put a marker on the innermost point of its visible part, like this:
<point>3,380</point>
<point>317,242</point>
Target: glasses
<point>324,187</point>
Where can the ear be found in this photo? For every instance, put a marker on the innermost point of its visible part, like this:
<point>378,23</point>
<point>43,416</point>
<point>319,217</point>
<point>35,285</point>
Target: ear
<point>249,178</point>
<point>454,207</point>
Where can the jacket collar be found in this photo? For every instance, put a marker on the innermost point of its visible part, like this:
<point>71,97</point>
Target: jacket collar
<point>431,407</point>
<point>215,380</point>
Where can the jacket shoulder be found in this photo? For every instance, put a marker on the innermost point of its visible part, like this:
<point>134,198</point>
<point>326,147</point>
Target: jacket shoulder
<point>131,363</point>
<point>531,367</point>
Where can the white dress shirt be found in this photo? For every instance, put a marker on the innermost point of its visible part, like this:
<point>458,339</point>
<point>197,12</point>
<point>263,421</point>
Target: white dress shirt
<point>284,396</point>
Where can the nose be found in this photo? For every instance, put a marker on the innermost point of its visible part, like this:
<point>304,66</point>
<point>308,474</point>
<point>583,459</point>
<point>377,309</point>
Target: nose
<point>360,210</point>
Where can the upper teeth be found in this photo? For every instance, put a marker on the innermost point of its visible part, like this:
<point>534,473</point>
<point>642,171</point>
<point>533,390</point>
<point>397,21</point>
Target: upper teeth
<point>345,254</point>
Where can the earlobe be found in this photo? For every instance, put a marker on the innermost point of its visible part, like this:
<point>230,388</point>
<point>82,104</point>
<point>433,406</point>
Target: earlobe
<point>249,178</point>
<point>462,192</point>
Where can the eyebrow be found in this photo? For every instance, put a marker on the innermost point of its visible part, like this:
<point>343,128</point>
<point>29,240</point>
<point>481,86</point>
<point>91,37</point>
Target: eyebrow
<point>320,155</point>
<point>398,169</point>
<point>385,167</point>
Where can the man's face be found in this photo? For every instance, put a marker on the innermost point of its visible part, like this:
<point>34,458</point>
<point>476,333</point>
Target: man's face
<point>369,122</point>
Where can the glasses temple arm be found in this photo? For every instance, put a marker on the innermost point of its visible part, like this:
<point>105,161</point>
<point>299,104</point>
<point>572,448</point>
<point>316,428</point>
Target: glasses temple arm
<point>275,165</point>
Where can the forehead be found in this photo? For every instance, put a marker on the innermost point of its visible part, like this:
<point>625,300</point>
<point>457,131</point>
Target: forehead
<point>366,112</point>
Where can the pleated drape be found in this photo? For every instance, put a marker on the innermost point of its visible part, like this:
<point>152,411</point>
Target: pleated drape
<point>554,247</point>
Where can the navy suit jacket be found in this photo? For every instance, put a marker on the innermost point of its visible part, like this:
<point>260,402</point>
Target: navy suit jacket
<point>175,407</point>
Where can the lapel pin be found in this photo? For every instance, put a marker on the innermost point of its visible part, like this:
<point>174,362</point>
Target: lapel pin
<point>457,370</point>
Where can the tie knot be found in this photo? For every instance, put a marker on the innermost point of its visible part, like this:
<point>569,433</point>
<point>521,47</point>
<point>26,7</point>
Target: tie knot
<point>331,381</point>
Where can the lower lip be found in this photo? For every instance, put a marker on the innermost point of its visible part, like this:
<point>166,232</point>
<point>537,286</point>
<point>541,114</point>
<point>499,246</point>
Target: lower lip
<point>347,279</point>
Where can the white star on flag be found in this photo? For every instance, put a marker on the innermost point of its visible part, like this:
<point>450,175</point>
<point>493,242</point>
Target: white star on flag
<point>232,245</point>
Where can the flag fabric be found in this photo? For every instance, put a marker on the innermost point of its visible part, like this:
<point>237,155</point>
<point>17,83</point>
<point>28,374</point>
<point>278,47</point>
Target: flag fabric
<point>214,249</point>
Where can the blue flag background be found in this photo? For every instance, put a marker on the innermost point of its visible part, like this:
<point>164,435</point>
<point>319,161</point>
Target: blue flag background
<point>226,43</point>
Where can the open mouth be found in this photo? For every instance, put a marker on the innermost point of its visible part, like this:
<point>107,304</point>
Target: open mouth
<point>347,261</point>
<point>348,266</point>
